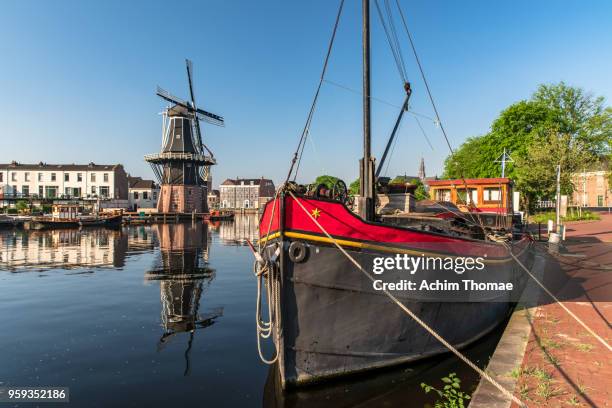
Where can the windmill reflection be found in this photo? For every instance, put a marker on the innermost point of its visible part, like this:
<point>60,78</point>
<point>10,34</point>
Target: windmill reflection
<point>183,274</point>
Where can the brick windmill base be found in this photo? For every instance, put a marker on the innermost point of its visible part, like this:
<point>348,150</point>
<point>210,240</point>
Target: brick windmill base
<point>176,198</point>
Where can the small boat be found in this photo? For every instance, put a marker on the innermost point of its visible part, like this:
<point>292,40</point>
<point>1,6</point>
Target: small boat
<point>216,215</point>
<point>69,216</point>
<point>101,221</point>
<point>7,222</point>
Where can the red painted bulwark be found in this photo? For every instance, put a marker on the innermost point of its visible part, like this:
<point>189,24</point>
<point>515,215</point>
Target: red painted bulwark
<point>340,223</point>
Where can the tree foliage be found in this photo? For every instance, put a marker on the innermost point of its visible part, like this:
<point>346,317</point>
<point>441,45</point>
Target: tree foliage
<point>329,181</point>
<point>559,124</point>
<point>354,187</point>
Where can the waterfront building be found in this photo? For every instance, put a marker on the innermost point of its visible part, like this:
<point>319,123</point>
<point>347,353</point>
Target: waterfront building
<point>592,189</point>
<point>142,193</point>
<point>213,199</point>
<point>245,193</point>
<point>68,181</point>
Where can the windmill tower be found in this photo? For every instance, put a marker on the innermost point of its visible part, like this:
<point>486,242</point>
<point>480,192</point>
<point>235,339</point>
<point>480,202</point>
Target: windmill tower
<point>183,165</point>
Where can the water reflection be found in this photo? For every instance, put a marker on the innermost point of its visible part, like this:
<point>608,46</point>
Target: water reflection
<point>183,274</point>
<point>245,226</point>
<point>67,249</point>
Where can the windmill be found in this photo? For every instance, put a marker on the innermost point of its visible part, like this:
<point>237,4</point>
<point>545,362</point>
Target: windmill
<point>182,168</point>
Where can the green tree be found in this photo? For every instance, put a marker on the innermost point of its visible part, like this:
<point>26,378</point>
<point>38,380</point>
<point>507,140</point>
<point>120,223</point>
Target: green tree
<point>420,193</point>
<point>354,187</point>
<point>329,181</point>
<point>558,125</point>
<point>21,205</point>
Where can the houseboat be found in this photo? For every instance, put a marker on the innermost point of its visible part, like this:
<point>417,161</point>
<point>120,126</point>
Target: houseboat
<point>490,199</point>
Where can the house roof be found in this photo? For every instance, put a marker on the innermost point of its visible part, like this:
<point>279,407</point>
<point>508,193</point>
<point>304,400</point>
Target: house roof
<point>138,182</point>
<point>60,167</point>
<point>471,181</point>
<point>247,181</point>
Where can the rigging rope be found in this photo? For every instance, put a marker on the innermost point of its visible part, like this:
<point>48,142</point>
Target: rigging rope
<point>410,313</point>
<point>297,156</point>
<point>433,104</point>
<point>393,45</point>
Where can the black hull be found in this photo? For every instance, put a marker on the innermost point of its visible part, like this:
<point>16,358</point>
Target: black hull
<point>334,323</point>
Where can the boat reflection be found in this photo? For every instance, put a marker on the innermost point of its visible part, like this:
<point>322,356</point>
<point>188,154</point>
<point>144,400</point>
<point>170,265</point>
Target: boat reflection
<point>183,274</point>
<point>389,387</point>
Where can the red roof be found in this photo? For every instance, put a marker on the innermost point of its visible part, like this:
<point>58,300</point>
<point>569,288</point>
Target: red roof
<point>470,181</point>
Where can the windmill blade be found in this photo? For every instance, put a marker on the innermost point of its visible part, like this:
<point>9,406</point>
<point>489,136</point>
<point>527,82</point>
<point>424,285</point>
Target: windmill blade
<point>190,79</point>
<point>210,117</point>
<point>171,98</point>
<point>192,94</point>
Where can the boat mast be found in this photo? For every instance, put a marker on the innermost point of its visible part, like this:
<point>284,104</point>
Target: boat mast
<point>367,208</point>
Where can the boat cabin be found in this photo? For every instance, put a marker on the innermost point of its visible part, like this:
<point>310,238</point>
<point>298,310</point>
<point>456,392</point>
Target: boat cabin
<point>483,195</point>
<point>65,211</point>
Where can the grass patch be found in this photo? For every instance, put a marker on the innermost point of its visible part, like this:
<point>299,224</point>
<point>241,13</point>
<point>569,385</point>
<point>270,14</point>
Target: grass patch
<point>573,401</point>
<point>546,391</point>
<point>550,344</point>
<point>572,215</point>
<point>584,347</point>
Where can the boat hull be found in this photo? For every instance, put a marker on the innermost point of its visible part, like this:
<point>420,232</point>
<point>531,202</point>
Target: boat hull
<point>333,322</point>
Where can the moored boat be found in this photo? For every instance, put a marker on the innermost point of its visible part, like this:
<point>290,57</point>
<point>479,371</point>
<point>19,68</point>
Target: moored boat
<point>114,220</point>
<point>335,279</point>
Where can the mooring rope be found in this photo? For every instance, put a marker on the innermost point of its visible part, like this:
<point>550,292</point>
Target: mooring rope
<point>409,312</point>
<point>262,270</point>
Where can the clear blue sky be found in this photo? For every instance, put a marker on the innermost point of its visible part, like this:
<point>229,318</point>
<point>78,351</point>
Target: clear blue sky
<point>78,79</point>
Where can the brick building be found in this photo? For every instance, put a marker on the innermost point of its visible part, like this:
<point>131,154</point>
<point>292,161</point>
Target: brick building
<point>592,189</point>
<point>245,193</point>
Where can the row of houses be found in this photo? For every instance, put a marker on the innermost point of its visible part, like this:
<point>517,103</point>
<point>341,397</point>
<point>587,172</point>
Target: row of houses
<point>106,182</point>
<point>110,182</point>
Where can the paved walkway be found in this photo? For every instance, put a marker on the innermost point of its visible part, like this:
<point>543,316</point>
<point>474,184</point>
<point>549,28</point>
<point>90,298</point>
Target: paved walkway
<point>563,365</point>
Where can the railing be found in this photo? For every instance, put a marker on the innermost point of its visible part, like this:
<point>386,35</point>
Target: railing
<point>546,204</point>
<point>179,156</point>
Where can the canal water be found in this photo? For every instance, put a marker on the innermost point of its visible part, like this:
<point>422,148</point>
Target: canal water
<point>163,315</point>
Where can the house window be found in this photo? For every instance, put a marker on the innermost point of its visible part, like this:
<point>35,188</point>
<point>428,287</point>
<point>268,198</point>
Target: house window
<point>79,176</point>
<point>106,177</point>
<point>600,201</point>
<point>1,177</point>
<point>25,190</point>
<point>443,194</point>
<point>462,199</point>
<point>67,191</point>
<point>13,176</point>
<point>135,195</point>
<point>93,177</point>
<point>40,191</point>
<point>145,195</point>
<point>104,192</point>
<point>155,195</point>
<point>50,191</point>
<point>491,195</point>
<point>93,189</point>
<point>66,176</point>
<point>40,177</point>
<point>26,176</point>
<point>52,176</point>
